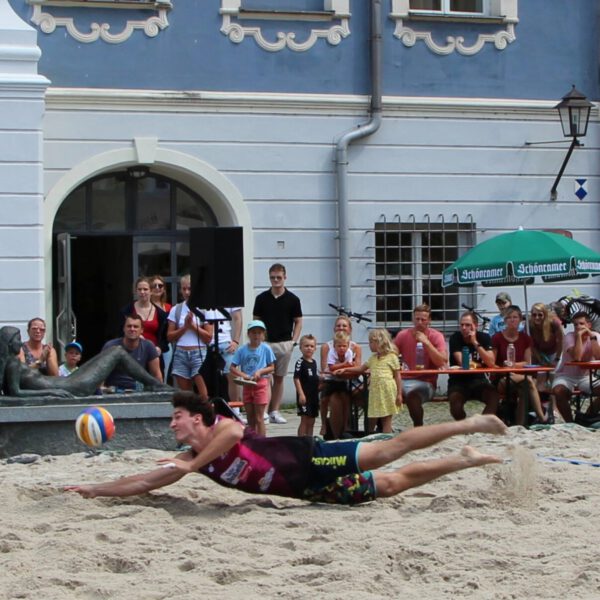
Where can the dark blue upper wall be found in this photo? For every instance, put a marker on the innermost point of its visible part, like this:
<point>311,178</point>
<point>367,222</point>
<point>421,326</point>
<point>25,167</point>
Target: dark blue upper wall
<point>556,45</point>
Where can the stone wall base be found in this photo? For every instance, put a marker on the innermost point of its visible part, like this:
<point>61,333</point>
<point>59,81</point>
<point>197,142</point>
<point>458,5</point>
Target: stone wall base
<point>48,426</point>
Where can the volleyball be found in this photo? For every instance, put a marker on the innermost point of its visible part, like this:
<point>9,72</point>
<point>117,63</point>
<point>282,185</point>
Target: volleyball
<point>94,426</point>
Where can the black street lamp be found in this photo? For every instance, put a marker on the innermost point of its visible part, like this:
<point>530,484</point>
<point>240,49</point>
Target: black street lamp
<point>574,110</point>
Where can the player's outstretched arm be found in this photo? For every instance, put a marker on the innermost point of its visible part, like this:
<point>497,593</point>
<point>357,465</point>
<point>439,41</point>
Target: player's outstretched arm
<point>134,484</point>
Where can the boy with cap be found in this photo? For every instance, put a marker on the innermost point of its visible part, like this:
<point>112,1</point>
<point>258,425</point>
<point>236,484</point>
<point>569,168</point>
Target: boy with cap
<point>503,302</point>
<point>73,351</point>
<point>253,364</point>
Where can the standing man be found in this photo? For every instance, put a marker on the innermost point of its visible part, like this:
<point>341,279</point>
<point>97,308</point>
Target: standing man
<point>281,312</point>
<point>474,386</point>
<point>141,350</point>
<point>420,389</point>
<point>581,344</point>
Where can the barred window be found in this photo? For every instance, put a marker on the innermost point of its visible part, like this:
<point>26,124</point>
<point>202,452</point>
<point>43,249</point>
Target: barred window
<point>409,260</point>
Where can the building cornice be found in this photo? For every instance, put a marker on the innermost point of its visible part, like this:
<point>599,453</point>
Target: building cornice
<point>265,102</point>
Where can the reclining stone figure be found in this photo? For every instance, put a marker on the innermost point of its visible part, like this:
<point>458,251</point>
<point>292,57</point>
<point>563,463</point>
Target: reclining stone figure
<point>16,379</point>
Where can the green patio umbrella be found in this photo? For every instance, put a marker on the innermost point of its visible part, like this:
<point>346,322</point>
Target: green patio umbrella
<point>519,257</point>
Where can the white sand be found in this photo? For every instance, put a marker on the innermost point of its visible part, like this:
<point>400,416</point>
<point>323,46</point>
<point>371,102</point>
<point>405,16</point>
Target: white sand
<point>526,529</point>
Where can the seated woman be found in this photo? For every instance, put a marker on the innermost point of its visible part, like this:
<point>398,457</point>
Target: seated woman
<point>522,387</point>
<point>335,394</point>
<point>37,355</point>
<point>16,379</point>
<point>547,335</point>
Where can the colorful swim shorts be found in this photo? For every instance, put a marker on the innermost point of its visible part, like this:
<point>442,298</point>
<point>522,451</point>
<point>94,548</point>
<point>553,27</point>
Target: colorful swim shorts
<point>355,488</point>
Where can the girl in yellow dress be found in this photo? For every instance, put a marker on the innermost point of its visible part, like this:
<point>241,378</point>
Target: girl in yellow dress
<point>385,387</point>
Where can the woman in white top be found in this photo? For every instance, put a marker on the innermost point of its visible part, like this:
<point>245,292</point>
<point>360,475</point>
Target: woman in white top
<point>190,337</point>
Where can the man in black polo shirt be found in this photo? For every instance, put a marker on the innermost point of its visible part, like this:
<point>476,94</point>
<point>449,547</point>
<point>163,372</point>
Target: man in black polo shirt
<point>475,386</point>
<point>281,312</point>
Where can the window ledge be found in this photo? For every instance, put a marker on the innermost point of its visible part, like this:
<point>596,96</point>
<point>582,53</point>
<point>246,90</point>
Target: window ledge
<point>124,4</point>
<point>286,15</point>
<point>335,12</point>
<point>152,26</point>
<point>455,18</point>
<point>505,16</point>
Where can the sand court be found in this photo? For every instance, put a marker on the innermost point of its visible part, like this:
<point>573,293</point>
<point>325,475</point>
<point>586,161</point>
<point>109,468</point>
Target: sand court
<point>524,528</point>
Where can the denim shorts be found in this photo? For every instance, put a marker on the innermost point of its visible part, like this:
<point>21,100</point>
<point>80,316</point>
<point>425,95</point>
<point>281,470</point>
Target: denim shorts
<point>186,363</point>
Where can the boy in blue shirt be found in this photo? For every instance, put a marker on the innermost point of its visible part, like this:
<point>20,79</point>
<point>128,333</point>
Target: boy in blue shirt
<point>253,364</point>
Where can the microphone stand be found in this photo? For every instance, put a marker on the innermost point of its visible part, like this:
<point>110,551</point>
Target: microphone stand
<point>213,348</point>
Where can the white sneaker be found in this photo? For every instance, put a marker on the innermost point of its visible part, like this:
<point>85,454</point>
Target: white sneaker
<point>266,418</point>
<point>275,417</point>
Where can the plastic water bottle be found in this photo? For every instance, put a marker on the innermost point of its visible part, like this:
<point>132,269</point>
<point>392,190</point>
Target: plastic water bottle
<point>466,357</point>
<point>420,356</point>
<point>510,355</point>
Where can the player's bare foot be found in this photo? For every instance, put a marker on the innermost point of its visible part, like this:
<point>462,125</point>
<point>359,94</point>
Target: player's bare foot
<point>474,458</point>
<point>485,424</point>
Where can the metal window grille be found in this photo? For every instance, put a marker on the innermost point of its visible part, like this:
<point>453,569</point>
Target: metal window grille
<point>409,259</point>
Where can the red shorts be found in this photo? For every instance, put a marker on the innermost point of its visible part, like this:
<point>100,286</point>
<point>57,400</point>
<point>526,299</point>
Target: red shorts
<point>257,394</point>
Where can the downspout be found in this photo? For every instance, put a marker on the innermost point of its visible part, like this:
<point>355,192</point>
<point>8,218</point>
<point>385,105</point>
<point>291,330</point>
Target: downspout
<point>341,153</point>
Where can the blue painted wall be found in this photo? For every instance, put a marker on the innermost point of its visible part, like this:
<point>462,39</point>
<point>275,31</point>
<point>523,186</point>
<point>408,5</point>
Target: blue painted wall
<point>556,45</point>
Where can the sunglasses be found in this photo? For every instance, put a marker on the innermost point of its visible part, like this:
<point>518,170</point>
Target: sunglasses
<point>160,286</point>
<point>275,277</point>
<point>537,314</point>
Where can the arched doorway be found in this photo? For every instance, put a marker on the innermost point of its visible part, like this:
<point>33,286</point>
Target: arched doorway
<point>111,229</point>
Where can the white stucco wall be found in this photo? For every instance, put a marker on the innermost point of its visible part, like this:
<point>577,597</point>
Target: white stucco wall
<point>431,157</point>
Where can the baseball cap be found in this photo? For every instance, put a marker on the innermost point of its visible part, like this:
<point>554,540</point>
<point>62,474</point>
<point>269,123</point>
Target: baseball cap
<point>503,297</point>
<point>75,346</point>
<point>256,323</point>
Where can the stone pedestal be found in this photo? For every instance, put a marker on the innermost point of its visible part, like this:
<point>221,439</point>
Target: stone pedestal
<point>47,426</point>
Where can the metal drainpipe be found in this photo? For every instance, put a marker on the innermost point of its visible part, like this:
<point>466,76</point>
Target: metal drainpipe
<point>341,153</point>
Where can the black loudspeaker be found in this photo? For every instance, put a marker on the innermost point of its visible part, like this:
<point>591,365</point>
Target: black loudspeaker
<point>217,267</point>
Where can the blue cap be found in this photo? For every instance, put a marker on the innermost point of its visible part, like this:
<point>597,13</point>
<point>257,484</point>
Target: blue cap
<point>75,346</point>
<point>256,323</point>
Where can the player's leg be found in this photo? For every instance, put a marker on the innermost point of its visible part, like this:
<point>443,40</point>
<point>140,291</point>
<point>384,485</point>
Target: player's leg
<point>377,454</point>
<point>418,473</point>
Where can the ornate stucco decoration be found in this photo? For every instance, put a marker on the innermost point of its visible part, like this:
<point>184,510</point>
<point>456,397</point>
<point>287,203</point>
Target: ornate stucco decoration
<point>503,12</point>
<point>336,13</point>
<point>151,26</point>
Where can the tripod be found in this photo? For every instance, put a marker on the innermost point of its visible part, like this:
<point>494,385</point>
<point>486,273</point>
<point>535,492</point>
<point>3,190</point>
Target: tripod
<point>214,363</point>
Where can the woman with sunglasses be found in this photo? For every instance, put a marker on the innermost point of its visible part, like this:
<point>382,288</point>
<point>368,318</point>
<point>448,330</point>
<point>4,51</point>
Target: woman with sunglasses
<point>35,353</point>
<point>547,335</point>
<point>158,292</point>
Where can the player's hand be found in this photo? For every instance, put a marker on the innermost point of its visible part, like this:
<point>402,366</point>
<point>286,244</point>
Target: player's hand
<point>86,491</point>
<point>399,401</point>
<point>302,400</point>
